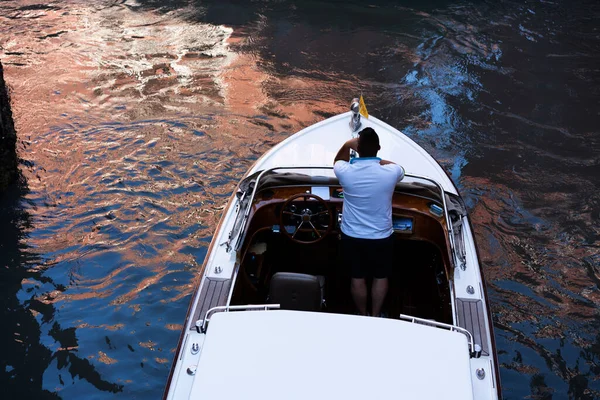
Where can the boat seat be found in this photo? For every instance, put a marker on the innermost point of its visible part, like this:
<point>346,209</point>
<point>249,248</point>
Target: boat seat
<point>294,291</point>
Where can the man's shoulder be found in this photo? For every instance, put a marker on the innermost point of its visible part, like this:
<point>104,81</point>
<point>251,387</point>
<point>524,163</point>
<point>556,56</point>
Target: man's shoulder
<point>394,168</point>
<point>391,166</point>
<point>340,166</point>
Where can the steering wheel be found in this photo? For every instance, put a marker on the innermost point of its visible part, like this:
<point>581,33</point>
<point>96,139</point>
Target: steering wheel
<point>305,220</point>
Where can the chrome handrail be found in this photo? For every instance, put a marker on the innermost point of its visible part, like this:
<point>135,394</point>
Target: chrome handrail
<point>473,350</point>
<point>202,324</point>
<point>448,221</point>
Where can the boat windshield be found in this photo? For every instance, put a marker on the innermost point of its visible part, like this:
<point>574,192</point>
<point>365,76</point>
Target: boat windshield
<point>274,178</point>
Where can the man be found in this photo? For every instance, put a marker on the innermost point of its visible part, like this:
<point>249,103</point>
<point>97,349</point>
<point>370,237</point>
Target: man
<point>367,242</point>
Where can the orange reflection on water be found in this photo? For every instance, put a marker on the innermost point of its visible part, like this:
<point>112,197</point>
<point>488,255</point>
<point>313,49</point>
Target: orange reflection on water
<point>501,238</point>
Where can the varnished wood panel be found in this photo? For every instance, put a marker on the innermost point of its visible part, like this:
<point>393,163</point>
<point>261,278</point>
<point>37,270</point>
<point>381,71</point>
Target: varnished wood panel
<point>427,226</point>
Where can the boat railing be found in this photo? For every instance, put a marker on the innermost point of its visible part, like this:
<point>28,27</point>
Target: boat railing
<point>474,349</point>
<point>446,217</point>
<point>202,324</point>
<point>421,177</point>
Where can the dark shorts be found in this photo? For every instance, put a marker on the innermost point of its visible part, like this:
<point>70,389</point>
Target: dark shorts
<point>368,257</point>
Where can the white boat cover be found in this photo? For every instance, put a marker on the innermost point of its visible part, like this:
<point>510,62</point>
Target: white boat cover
<point>268,355</point>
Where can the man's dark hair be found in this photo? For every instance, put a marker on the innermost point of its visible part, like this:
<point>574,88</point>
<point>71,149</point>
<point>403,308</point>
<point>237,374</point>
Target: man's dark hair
<point>368,143</point>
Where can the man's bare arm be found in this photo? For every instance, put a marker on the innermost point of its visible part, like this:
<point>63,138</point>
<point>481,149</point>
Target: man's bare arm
<point>385,162</point>
<point>344,153</point>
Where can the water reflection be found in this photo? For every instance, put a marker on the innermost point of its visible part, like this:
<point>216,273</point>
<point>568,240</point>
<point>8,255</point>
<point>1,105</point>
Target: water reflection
<point>29,320</point>
<point>138,118</point>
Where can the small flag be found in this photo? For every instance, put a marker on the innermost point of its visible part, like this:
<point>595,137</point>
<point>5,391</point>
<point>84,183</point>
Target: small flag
<point>362,108</point>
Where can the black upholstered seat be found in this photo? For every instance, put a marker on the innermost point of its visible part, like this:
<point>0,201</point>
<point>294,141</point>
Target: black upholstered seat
<point>296,291</point>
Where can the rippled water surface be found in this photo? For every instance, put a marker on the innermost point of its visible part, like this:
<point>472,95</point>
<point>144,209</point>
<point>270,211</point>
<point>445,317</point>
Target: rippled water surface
<point>137,119</point>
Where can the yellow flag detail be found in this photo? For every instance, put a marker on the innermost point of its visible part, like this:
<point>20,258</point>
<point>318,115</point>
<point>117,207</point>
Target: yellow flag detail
<point>362,108</point>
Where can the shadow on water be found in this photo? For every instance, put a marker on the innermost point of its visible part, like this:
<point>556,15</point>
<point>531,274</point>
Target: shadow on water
<point>25,319</point>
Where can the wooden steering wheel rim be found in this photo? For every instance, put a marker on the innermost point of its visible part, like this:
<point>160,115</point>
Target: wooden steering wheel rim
<point>290,236</point>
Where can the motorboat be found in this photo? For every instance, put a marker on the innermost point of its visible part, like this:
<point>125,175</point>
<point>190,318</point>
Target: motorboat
<point>273,318</point>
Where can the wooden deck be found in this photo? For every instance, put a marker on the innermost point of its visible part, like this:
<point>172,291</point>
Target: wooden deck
<point>471,317</point>
<point>214,293</point>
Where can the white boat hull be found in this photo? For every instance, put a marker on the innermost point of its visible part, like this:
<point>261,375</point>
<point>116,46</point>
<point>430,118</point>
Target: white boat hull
<point>316,146</point>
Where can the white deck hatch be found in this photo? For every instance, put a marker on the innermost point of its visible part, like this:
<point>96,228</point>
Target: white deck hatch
<point>268,355</point>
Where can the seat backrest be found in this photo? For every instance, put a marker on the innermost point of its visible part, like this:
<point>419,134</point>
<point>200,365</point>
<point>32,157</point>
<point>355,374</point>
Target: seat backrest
<point>296,291</point>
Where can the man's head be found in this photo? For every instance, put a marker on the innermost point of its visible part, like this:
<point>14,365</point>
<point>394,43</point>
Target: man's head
<point>368,143</point>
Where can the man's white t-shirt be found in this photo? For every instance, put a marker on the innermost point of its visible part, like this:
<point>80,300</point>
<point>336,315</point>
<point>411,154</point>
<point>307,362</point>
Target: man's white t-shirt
<point>368,189</point>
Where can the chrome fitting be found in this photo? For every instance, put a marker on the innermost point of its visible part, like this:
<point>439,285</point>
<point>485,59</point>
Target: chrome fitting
<point>476,352</point>
<point>355,123</point>
<point>480,373</point>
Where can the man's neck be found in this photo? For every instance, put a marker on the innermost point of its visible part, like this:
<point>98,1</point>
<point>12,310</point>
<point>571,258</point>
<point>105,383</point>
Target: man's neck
<point>365,159</point>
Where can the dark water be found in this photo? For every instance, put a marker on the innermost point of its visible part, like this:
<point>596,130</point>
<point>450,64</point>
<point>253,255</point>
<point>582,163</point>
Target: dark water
<point>137,119</point>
